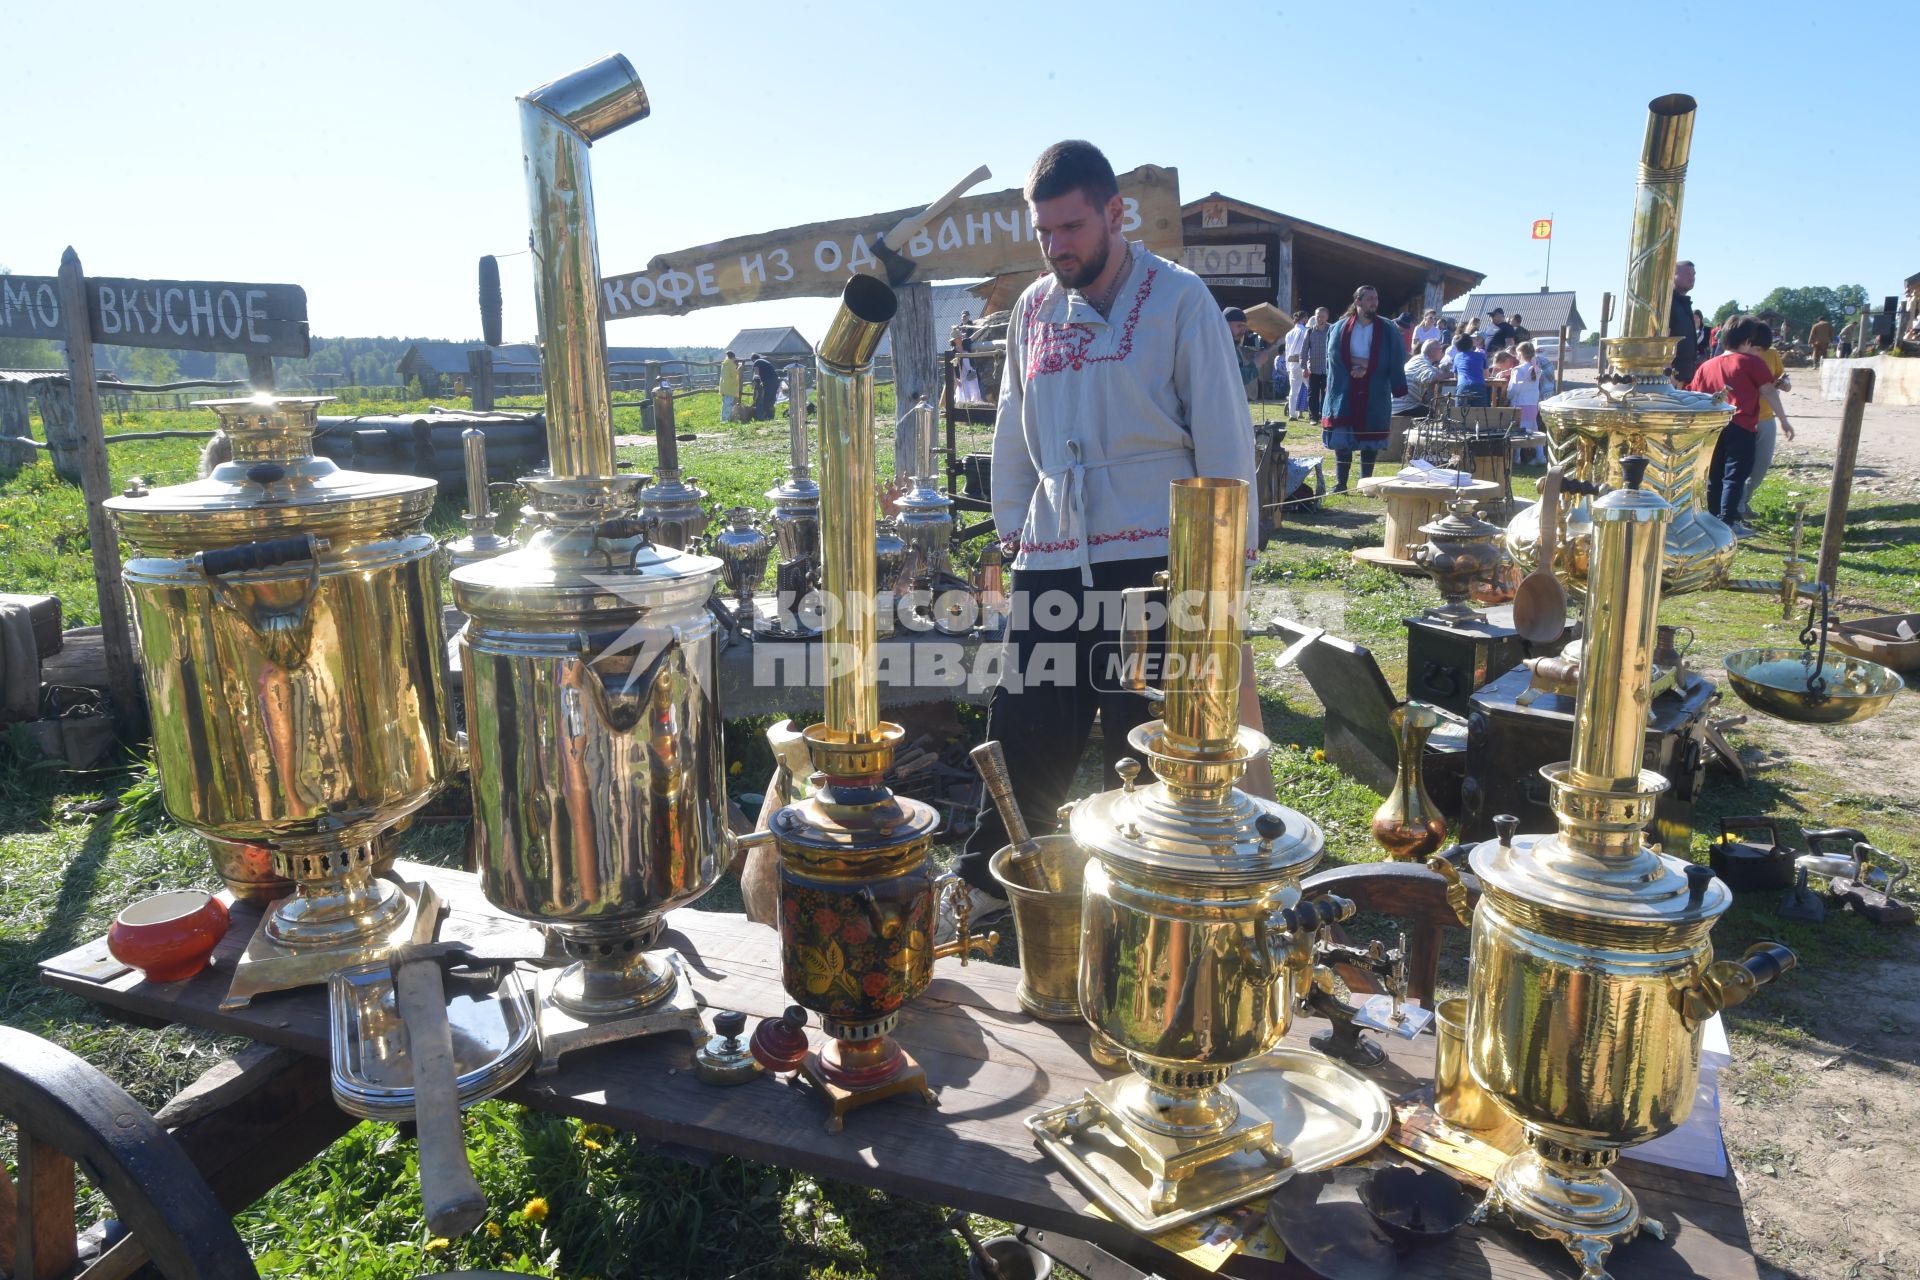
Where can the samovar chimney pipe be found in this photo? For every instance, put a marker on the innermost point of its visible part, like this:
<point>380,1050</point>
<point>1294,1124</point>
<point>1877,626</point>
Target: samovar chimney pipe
<point>1656,216</point>
<point>1616,667</point>
<point>797,420</point>
<point>845,363</point>
<point>558,123</point>
<point>666,442</point>
<point>1206,565</point>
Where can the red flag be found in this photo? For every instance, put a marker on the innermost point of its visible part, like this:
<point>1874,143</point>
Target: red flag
<point>1543,229</point>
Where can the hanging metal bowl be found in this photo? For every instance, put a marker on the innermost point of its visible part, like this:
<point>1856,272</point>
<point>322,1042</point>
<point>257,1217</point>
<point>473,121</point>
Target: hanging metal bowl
<point>1799,685</point>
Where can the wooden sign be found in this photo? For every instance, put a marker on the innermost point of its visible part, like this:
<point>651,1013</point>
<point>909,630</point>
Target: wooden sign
<point>1238,265</point>
<point>179,315</point>
<point>984,235</point>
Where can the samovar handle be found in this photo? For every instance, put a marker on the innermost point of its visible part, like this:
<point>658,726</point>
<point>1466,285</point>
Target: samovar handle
<point>1457,896</point>
<point>1134,633</point>
<point>285,632</point>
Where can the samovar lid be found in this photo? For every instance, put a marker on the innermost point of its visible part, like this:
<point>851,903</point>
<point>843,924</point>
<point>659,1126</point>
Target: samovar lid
<point>1650,892</point>
<point>795,491</point>
<point>272,485</point>
<point>1461,524</point>
<point>1197,841</point>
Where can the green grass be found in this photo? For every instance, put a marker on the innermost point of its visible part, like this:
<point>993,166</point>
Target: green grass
<point>612,1206</point>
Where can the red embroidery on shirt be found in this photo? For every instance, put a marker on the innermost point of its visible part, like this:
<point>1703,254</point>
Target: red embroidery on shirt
<point>1125,535</point>
<point>1055,348</point>
<point>1067,544</point>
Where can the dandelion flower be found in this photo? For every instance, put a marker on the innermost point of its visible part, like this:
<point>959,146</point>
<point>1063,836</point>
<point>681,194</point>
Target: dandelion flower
<point>535,1210</point>
<point>1319,756</point>
<point>439,1244</point>
<point>590,1144</point>
<point>734,769</point>
<point>493,1230</point>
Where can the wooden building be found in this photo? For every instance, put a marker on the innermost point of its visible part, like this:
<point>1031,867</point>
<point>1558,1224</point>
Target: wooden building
<point>1248,254</point>
<point>1543,314</point>
<point>780,345</point>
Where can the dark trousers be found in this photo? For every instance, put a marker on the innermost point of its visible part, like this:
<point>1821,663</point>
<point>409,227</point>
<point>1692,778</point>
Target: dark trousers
<point>1044,726</point>
<point>1475,395</point>
<point>1727,474</point>
<point>1316,397</point>
<point>1343,461</point>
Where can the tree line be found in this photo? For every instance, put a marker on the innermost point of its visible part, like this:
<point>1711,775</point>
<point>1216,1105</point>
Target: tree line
<point>1800,308</point>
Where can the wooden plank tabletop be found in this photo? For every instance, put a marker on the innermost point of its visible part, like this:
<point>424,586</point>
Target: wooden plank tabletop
<point>991,1064</point>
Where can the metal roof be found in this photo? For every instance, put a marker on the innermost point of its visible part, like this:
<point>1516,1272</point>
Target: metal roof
<point>782,341</point>
<point>1543,313</point>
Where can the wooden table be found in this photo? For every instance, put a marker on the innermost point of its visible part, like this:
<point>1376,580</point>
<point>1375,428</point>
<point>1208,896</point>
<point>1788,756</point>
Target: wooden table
<point>1410,504</point>
<point>991,1064</point>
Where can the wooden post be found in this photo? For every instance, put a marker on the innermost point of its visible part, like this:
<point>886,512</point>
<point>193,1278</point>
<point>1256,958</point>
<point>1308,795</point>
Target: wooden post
<point>916,365</point>
<point>260,373</point>
<point>1283,275</point>
<point>123,674</point>
<point>480,378</point>
<point>1840,492</point>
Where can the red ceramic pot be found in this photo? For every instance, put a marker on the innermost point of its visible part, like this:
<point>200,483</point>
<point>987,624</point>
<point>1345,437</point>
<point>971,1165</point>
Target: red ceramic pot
<point>169,936</point>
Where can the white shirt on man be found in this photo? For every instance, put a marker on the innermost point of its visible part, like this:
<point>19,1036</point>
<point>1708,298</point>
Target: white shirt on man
<point>1100,414</point>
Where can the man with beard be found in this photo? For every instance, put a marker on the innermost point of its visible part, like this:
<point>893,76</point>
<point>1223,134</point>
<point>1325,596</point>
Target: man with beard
<point>1364,373</point>
<point>1121,377</point>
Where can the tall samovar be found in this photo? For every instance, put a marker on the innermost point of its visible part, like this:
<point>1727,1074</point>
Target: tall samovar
<point>1592,972</point>
<point>795,501</point>
<point>1635,409</point>
<point>926,514</point>
<point>858,892</point>
<point>670,506</point>
<point>288,614</point>
<point>590,655</point>
<point>1195,942</point>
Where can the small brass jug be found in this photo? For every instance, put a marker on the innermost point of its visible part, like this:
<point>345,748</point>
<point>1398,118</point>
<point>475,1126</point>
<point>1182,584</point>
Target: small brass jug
<point>1409,825</point>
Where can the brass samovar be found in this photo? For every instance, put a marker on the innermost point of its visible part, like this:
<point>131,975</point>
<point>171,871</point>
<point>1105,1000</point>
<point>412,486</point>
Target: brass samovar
<point>795,501</point>
<point>1592,972</point>
<point>859,894</point>
<point>672,507</point>
<point>288,615</point>
<point>590,654</point>
<point>1635,409</point>
<point>1195,942</point>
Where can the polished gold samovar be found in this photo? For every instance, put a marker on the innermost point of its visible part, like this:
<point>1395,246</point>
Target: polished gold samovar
<point>288,615</point>
<point>1635,410</point>
<point>859,895</point>
<point>673,508</point>
<point>590,654</point>
<point>1592,972</point>
<point>1195,942</point>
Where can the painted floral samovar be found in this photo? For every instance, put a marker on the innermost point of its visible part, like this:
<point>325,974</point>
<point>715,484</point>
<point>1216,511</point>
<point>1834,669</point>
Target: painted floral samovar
<point>1195,942</point>
<point>1592,972</point>
<point>1635,410</point>
<point>858,891</point>
<point>288,615</point>
<point>590,654</point>
<point>672,507</point>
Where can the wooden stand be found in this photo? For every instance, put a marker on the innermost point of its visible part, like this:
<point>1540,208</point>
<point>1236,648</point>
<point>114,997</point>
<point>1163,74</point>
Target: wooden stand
<point>1410,504</point>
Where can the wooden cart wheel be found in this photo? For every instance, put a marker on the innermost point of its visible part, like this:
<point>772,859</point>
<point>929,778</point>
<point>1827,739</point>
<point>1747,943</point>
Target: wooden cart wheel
<point>69,1114</point>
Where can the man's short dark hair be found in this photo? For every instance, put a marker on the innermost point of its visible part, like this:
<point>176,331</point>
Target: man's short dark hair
<point>1740,331</point>
<point>1068,166</point>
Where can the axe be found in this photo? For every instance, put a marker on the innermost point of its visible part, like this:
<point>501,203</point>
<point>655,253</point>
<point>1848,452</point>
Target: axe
<point>886,248</point>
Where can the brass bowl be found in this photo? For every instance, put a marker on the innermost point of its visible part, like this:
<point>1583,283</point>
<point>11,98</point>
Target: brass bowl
<point>1775,681</point>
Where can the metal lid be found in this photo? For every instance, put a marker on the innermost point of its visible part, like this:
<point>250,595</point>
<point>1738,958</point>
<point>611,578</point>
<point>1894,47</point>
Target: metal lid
<point>1461,524</point>
<point>1653,895</point>
<point>273,485</point>
<point>588,556</point>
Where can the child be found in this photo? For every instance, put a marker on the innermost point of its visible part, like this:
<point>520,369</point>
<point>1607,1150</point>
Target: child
<point>1469,373</point>
<point>1523,393</point>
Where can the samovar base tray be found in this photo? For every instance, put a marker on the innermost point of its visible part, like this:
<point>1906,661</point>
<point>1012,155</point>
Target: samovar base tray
<point>911,1078</point>
<point>267,966</point>
<point>562,1032</point>
<point>1321,1113</point>
<point>1588,1212</point>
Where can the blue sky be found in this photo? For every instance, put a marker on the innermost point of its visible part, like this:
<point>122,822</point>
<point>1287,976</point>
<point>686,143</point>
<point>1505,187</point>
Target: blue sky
<point>370,152</point>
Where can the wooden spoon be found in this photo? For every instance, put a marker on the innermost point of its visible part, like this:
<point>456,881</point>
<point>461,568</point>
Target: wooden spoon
<point>1540,604</point>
